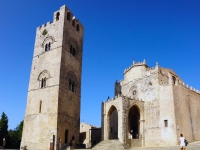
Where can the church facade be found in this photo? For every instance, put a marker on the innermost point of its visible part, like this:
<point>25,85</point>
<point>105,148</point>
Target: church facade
<point>52,115</point>
<point>151,107</point>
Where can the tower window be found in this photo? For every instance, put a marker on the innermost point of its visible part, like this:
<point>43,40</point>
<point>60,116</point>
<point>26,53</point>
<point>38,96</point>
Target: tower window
<point>72,81</point>
<point>77,27</point>
<point>47,47</point>
<point>43,82</point>
<point>73,23</point>
<point>57,16</point>
<point>174,80</point>
<point>68,16</point>
<point>166,123</point>
<point>72,50</point>
<point>71,85</point>
<point>40,107</point>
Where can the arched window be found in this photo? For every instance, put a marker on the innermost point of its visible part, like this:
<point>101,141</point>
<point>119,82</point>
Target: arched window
<point>73,23</point>
<point>47,47</point>
<point>47,43</point>
<point>77,27</point>
<point>57,16</point>
<point>68,16</point>
<point>72,81</point>
<point>73,47</point>
<point>43,82</point>
<point>72,50</point>
<point>71,85</point>
<point>43,78</point>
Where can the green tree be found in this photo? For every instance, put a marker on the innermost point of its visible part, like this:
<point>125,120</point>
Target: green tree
<point>19,129</point>
<point>15,136</point>
<point>3,127</point>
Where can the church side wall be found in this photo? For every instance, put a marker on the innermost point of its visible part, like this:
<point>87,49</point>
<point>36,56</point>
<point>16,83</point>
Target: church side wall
<point>167,121</point>
<point>187,103</point>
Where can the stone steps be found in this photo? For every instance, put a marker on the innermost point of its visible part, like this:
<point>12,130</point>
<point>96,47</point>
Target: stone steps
<point>116,145</point>
<point>109,145</point>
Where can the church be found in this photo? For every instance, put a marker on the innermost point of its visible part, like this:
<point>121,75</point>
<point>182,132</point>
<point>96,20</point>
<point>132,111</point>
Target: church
<point>151,107</point>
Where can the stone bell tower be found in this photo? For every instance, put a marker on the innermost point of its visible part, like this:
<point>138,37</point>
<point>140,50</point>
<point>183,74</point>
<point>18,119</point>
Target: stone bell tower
<point>53,104</point>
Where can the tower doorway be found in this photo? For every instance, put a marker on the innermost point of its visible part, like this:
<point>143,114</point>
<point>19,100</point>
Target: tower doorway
<point>134,117</point>
<point>66,136</point>
<point>113,123</point>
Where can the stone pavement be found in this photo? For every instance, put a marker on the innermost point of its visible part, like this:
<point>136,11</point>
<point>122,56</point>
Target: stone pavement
<point>116,145</point>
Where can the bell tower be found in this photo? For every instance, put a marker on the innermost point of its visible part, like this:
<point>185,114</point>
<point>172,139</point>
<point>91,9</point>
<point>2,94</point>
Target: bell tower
<point>53,103</point>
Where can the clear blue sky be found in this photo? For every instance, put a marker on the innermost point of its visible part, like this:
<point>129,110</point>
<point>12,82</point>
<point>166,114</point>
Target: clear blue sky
<point>116,33</point>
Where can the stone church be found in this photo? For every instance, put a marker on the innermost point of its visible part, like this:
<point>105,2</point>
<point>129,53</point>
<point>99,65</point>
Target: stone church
<point>151,107</point>
<point>52,115</point>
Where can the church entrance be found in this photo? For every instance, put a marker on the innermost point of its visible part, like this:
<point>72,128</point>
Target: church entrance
<point>134,117</point>
<point>113,123</point>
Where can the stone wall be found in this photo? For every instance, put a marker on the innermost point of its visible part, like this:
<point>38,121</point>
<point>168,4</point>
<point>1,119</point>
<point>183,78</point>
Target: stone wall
<point>187,104</point>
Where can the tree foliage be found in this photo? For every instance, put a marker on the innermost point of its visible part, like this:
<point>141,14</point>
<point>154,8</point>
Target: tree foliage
<point>13,137</point>
<point>3,127</point>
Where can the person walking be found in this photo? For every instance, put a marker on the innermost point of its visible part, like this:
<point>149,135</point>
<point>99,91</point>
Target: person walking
<point>182,142</point>
<point>4,143</point>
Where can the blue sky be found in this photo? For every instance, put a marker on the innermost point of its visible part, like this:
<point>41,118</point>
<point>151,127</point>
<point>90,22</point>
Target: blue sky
<point>116,33</point>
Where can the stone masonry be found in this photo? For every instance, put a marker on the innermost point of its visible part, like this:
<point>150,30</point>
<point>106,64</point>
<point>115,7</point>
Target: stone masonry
<point>53,102</point>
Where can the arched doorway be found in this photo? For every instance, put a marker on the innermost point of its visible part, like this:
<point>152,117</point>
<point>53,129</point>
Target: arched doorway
<point>133,118</point>
<point>113,123</point>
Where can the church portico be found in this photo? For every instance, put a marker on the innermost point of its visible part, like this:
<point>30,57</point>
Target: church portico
<point>122,119</point>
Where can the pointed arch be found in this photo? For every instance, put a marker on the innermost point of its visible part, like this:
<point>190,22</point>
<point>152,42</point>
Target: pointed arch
<point>43,78</point>
<point>47,43</point>
<point>134,121</point>
<point>72,81</point>
<point>43,74</point>
<point>112,123</point>
<point>73,47</point>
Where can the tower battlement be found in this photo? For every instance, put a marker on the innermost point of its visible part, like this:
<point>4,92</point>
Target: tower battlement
<point>65,15</point>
